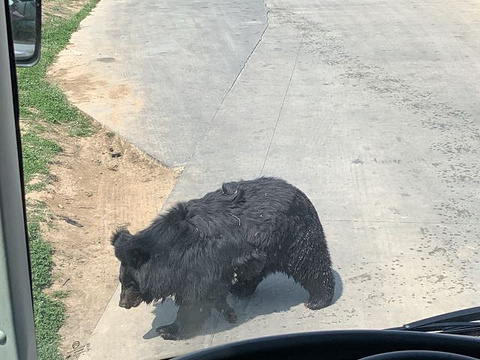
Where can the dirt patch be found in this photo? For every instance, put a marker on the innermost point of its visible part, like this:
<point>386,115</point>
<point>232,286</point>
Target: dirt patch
<point>98,184</point>
<point>91,87</point>
<point>64,9</point>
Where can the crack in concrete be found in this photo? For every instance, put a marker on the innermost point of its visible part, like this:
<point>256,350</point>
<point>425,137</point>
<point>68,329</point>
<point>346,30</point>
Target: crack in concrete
<point>281,108</point>
<point>267,11</point>
<point>209,125</point>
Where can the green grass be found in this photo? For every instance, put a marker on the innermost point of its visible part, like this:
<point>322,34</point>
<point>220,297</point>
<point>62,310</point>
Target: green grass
<point>48,310</point>
<point>41,105</point>
<point>37,152</point>
<point>48,316</point>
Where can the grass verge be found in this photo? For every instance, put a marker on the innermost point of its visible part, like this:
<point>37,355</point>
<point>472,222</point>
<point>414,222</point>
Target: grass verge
<point>43,106</point>
<point>48,310</point>
<point>41,99</point>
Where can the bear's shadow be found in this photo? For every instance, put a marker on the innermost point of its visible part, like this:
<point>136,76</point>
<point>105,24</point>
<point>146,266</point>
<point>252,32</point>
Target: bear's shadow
<point>277,293</point>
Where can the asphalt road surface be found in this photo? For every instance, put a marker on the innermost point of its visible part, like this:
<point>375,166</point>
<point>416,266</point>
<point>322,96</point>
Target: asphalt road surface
<point>370,107</point>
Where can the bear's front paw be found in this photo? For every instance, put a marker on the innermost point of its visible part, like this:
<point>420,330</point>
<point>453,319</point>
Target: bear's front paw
<point>316,304</point>
<point>169,332</point>
<point>230,316</point>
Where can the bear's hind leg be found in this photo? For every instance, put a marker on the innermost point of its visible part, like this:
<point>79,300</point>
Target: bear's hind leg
<point>320,290</point>
<point>310,265</point>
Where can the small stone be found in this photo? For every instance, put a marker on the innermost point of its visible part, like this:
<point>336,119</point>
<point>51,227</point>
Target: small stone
<point>72,222</point>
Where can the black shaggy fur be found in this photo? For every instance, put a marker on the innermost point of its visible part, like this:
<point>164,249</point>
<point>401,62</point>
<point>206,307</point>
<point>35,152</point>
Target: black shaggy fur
<point>227,241</point>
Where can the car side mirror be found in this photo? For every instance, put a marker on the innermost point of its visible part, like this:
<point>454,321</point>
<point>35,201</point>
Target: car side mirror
<point>25,18</point>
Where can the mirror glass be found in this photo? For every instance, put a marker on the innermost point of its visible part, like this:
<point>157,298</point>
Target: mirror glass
<point>25,20</point>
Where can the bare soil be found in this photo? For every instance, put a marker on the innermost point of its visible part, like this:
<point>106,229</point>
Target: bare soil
<point>98,184</point>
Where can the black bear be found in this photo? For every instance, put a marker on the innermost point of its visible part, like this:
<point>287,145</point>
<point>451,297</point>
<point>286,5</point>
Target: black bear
<point>227,241</point>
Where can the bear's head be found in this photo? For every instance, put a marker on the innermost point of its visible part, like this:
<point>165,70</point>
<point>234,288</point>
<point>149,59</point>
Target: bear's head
<point>132,256</point>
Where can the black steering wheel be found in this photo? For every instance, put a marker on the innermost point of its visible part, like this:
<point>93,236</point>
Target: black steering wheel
<point>418,355</point>
<point>347,345</point>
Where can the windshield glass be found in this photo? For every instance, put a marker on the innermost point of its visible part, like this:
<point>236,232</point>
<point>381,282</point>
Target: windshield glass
<point>314,164</point>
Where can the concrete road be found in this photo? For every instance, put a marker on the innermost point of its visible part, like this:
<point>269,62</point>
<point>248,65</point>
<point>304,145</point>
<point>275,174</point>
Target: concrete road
<point>370,107</point>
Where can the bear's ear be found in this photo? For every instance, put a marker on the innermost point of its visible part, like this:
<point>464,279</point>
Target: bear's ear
<point>119,236</point>
<point>129,250</point>
<point>234,192</point>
